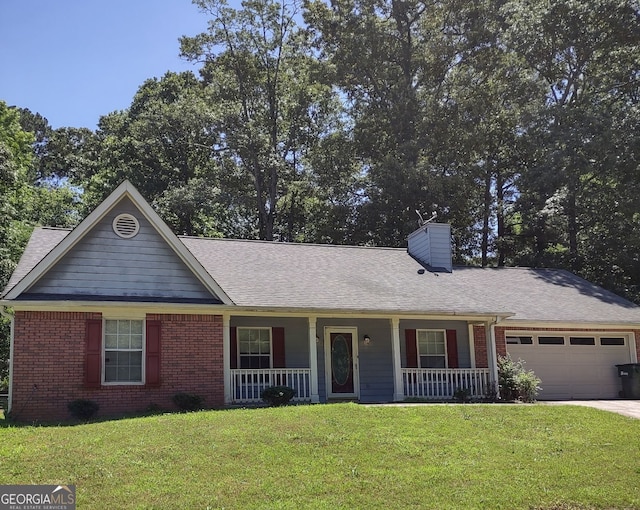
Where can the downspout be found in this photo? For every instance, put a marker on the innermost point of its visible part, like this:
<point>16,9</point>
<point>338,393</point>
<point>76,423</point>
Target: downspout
<point>9,316</point>
<point>494,354</point>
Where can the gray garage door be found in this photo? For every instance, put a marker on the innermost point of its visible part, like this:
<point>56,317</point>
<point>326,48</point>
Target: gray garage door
<point>571,365</point>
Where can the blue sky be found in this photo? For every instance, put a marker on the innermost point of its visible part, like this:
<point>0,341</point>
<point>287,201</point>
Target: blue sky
<point>75,60</point>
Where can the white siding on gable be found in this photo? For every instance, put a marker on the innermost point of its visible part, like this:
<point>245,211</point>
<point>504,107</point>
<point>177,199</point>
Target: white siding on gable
<point>103,264</point>
<point>431,244</point>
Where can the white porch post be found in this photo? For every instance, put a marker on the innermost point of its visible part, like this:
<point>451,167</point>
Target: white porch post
<point>398,391</point>
<point>632,348</point>
<point>313,360</point>
<point>472,345</point>
<point>226,355</point>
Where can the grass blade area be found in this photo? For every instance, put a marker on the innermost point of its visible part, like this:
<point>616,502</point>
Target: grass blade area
<point>339,456</point>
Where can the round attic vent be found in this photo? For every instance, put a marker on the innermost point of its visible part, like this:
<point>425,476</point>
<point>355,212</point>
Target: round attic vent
<point>125,226</point>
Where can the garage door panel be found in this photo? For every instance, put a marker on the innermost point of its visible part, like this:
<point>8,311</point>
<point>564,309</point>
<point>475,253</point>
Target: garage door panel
<point>573,371</point>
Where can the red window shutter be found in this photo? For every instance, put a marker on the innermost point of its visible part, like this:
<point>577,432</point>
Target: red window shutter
<point>153,354</point>
<point>452,348</point>
<point>277,344</point>
<point>93,353</point>
<point>412,348</point>
<point>233,352</point>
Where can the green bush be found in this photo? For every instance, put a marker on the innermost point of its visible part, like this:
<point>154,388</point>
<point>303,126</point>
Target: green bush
<point>83,409</point>
<point>153,408</point>
<point>528,386</point>
<point>188,401</point>
<point>490,393</point>
<point>4,384</point>
<point>462,395</point>
<point>515,382</point>
<point>277,395</point>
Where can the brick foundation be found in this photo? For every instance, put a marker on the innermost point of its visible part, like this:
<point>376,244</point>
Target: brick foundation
<point>49,365</point>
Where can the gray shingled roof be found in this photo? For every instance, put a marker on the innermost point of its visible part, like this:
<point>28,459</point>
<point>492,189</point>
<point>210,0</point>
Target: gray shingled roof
<point>266,274</point>
<point>323,277</point>
<point>41,242</point>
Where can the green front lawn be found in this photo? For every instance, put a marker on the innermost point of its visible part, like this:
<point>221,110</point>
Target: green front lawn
<point>339,456</point>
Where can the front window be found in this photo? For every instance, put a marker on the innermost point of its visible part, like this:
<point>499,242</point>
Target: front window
<point>254,345</point>
<point>432,350</point>
<point>123,344</point>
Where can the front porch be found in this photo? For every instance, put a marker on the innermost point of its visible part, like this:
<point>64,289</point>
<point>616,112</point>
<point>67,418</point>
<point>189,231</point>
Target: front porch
<point>430,384</point>
<point>360,359</point>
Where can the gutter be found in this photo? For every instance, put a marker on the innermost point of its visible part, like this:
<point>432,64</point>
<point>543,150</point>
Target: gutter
<point>6,315</point>
<point>217,309</point>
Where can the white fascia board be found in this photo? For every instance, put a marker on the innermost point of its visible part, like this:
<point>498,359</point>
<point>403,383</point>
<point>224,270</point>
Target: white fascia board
<point>126,189</point>
<point>116,307</point>
<point>168,307</point>
<point>523,325</point>
<point>355,314</point>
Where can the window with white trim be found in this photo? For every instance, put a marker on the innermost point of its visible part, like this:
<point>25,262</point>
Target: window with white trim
<point>254,347</point>
<point>432,348</point>
<point>123,350</point>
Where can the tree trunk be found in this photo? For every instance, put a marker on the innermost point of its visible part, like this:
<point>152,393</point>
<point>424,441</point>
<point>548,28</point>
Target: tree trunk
<point>500,218</point>
<point>486,218</point>
<point>572,227</point>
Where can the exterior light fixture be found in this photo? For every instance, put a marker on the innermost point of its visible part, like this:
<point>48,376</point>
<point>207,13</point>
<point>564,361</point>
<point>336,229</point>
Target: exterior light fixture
<point>367,339</point>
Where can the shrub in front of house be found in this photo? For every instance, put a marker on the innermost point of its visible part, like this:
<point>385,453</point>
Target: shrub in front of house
<point>277,395</point>
<point>517,383</point>
<point>83,409</point>
<point>188,401</point>
<point>153,408</point>
<point>491,393</point>
<point>462,395</point>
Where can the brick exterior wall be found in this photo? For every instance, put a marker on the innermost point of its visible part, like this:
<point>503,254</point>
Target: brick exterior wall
<point>636,333</point>
<point>501,340</point>
<point>480,346</point>
<point>49,356</point>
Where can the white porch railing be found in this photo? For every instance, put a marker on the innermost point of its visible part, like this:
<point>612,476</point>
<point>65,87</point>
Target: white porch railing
<point>442,383</point>
<point>247,384</point>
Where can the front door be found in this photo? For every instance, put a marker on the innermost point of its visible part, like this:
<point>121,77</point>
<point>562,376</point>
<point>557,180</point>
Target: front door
<point>341,362</point>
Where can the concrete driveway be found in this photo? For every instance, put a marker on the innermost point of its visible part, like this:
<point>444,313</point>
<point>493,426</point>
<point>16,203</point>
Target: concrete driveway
<point>625,407</point>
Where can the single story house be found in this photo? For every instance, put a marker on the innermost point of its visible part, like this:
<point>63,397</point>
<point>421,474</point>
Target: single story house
<point>121,311</point>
